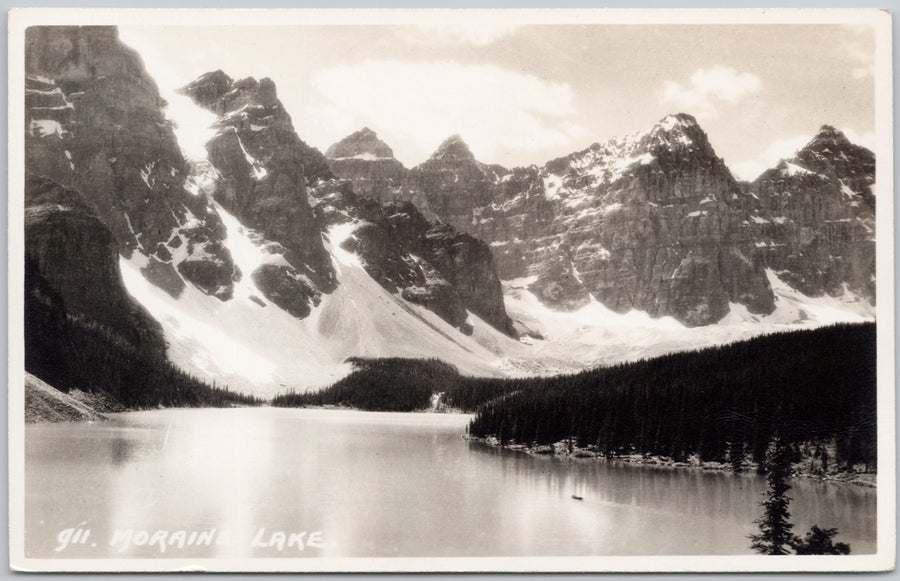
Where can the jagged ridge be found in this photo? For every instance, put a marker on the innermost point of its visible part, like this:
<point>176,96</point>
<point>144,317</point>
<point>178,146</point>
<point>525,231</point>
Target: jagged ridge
<point>653,221</point>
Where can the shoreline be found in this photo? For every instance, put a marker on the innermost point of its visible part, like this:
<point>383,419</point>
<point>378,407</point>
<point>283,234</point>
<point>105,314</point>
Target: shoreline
<point>561,450</point>
<point>43,403</point>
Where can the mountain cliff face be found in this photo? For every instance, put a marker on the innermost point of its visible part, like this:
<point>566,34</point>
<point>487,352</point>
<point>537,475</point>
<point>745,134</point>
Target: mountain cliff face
<point>453,182</point>
<point>369,164</point>
<point>428,264</point>
<point>78,255</point>
<point>112,203</point>
<point>267,177</point>
<point>94,124</point>
<point>262,264</point>
<point>656,222</point>
<point>648,222</point>
<point>262,169</point>
<point>813,217</point>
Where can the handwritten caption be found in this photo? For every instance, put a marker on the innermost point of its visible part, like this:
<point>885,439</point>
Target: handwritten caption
<point>122,540</point>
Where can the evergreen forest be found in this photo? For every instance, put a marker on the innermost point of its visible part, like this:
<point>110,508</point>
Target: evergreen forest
<point>816,388</point>
<point>68,352</point>
<point>804,387</point>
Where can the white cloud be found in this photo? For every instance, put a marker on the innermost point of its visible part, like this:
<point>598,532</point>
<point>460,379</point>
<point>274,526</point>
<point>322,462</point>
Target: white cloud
<point>710,87</point>
<point>859,50</point>
<point>476,33</point>
<point>417,105</point>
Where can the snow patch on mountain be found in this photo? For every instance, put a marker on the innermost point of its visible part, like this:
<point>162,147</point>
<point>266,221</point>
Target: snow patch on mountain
<point>363,156</point>
<point>46,128</point>
<point>594,335</point>
<point>193,126</point>
<point>253,346</point>
<point>361,318</point>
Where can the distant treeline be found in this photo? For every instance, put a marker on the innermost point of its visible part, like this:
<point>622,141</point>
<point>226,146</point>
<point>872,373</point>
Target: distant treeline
<point>402,385</point>
<point>391,384</point>
<point>68,352</point>
<point>721,403</point>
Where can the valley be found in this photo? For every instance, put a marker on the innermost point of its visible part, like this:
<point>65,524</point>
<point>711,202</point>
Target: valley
<point>263,264</point>
<point>242,340</point>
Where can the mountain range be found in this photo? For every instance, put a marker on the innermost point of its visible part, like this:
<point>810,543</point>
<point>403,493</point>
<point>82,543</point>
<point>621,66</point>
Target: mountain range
<point>259,263</point>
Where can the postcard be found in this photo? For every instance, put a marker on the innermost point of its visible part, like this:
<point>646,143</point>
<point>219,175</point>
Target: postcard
<point>451,290</point>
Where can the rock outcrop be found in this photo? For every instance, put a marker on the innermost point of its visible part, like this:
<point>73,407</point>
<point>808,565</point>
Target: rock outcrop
<point>429,264</point>
<point>650,222</point>
<point>267,177</point>
<point>93,123</point>
<point>813,217</point>
<point>369,164</point>
<point>647,222</point>
<point>77,254</point>
<point>45,403</point>
<point>263,170</point>
<point>655,221</point>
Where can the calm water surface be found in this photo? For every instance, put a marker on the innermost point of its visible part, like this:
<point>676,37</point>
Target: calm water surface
<point>241,482</point>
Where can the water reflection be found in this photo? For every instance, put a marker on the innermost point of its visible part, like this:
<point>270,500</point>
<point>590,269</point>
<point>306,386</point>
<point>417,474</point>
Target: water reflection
<point>122,449</point>
<point>381,485</point>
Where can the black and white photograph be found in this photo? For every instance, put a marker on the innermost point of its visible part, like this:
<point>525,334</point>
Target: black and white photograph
<point>451,290</point>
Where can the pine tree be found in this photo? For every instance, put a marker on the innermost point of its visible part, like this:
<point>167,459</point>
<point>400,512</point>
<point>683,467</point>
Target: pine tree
<point>819,542</point>
<point>775,537</point>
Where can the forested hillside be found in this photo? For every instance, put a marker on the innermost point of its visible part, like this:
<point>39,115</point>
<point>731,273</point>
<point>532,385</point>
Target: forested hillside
<point>809,386</point>
<point>391,384</point>
<point>68,352</point>
<point>723,403</point>
<point>402,385</point>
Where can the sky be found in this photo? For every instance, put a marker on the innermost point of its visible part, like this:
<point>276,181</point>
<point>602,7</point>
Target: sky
<point>525,94</point>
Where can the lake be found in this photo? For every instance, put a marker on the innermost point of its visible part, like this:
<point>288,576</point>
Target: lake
<point>270,482</point>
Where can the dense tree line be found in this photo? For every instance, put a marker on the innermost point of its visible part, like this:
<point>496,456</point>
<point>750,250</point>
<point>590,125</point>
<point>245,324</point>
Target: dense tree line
<point>814,388</point>
<point>390,384</point>
<point>468,393</point>
<point>401,384</point>
<point>69,352</point>
<point>722,402</point>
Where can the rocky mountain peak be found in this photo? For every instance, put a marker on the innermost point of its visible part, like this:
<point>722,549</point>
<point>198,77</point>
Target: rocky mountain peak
<point>363,144</point>
<point>831,142</point>
<point>94,125</point>
<point>217,92</point>
<point>817,210</point>
<point>266,94</point>
<point>678,120</point>
<point>675,140</point>
<point>264,169</point>
<point>830,152</point>
<point>453,149</point>
<point>76,56</point>
<point>208,88</point>
<point>828,135</point>
<point>676,133</point>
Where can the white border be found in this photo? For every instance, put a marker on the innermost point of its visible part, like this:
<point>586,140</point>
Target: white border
<point>884,559</point>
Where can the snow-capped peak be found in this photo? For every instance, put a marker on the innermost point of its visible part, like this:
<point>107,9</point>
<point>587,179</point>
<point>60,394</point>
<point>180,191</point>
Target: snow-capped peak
<point>609,161</point>
<point>677,120</point>
<point>678,132</point>
<point>830,151</point>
